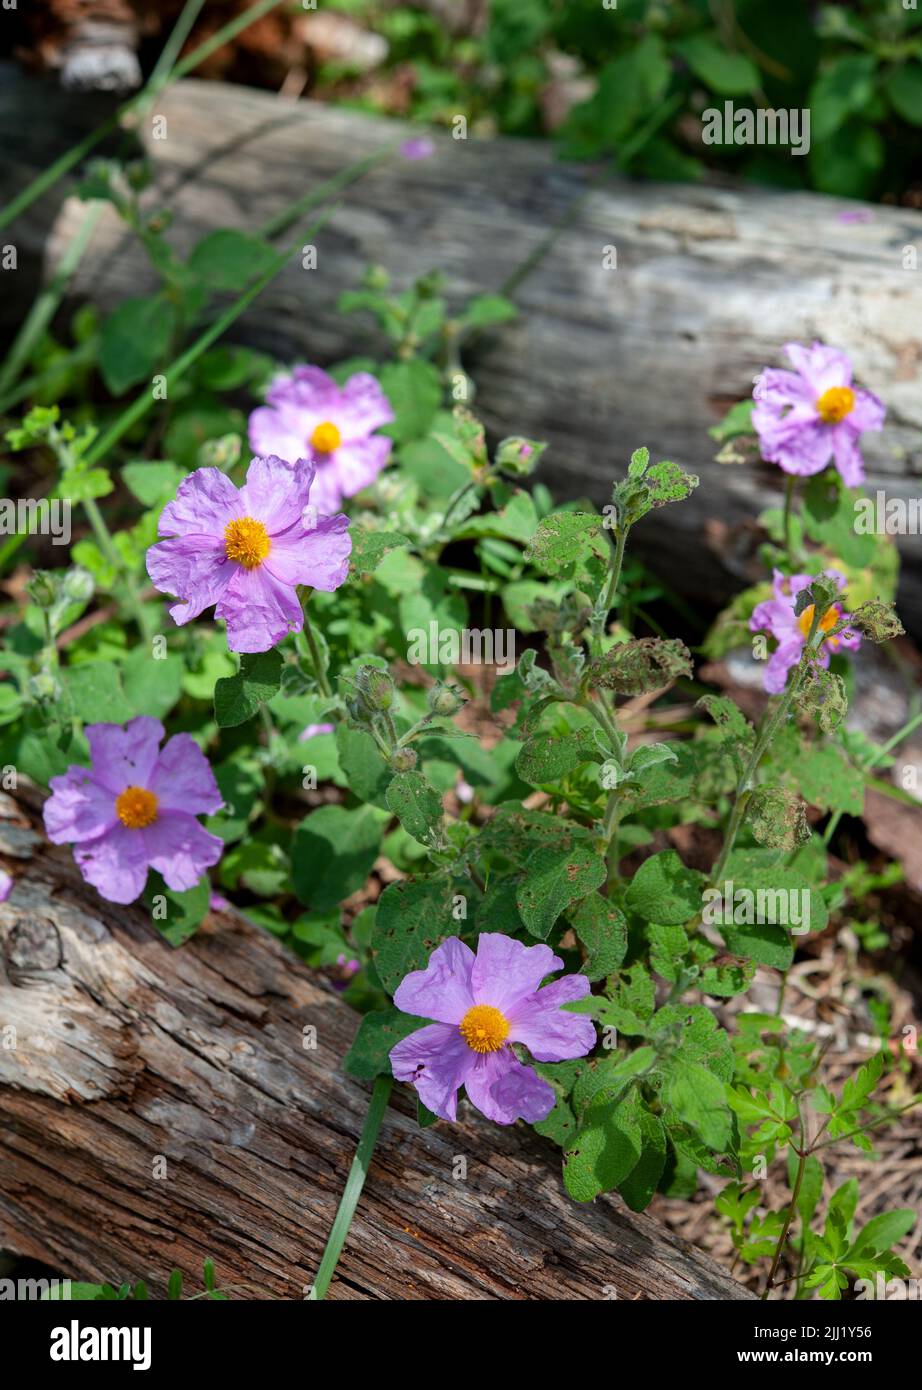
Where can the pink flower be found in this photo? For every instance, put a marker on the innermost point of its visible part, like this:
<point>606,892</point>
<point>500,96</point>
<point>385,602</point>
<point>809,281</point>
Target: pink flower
<point>808,417</point>
<point>247,551</point>
<point>308,414</point>
<point>417,147</point>
<point>312,730</point>
<point>790,630</point>
<point>483,1004</point>
<point>6,885</point>
<point>135,809</point>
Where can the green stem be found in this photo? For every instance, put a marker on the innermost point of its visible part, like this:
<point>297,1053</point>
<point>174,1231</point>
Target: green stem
<point>795,1193</point>
<point>314,651</point>
<point>107,546</point>
<point>354,1184</point>
<point>600,616</point>
<point>49,177</point>
<point>44,307</point>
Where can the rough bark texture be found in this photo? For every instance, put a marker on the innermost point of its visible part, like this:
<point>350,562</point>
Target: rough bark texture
<point>709,283</point>
<point>158,1107</point>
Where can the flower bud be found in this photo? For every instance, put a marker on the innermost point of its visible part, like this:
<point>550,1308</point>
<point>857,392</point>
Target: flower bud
<point>445,699</point>
<point>403,760</point>
<point>375,687</point>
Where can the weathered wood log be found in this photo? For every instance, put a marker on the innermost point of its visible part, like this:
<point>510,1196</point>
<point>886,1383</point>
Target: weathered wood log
<point>161,1106</point>
<point>710,282</point>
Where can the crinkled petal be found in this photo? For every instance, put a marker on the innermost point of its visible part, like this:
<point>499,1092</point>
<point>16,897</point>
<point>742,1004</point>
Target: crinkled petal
<point>259,610</point>
<point>362,406</point>
<point>443,990</point>
<point>356,464</point>
<point>550,1034</point>
<point>506,971</point>
<point>182,779</point>
<point>868,413</point>
<point>847,455</point>
<point>275,432</point>
<point>820,366</point>
<point>79,807</point>
<point>124,755</point>
<point>780,663</point>
<point>193,568</point>
<point>180,849</point>
<point>205,502</point>
<point>505,1091</point>
<point>318,556</point>
<point>774,615</point>
<point>437,1061</point>
<point>276,492</point>
<point>115,863</point>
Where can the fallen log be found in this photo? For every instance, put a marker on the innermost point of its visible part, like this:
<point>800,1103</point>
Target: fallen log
<point>161,1106</point>
<point>710,282</point>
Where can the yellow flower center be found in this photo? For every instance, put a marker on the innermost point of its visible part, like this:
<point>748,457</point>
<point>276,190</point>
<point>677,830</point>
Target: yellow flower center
<point>326,437</point>
<point>136,807</point>
<point>828,620</point>
<point>484,1028</point>
<point>246,541</point>
<point>834,404</point>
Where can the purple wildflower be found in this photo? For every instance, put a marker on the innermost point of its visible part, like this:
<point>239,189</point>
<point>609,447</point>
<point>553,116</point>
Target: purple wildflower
<point>135,809</point>
<point>808,417</point>
<point>246,551</point>
<point>790,630</point>
<point>312,731</point>
<point>218,903</point>
<point>308,414</point>
<point>417,147</point>
<point>6,885</point>
<point>482,1005</point>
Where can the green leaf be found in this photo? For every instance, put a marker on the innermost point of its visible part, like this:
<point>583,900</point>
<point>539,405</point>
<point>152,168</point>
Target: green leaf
<point>370,547</point>
<point>487,309</point>
<point>183,911</point>
<point>604,1150</point>
<point>642,665</point>
<point>555,877</point>
<point>153,484</point>
<point>826,779</point>
<point>228,259</point>
<point>842,90</point>
<point>904,88</point>
<point>663,890</point>
<point>414,390</point>
<point>699,1100</point>
<point>562,539</point>
<point>417,806</point>
<point>602,928</point>
<point>638,1187</point>
<point>548,758</point>
<point>96,692</point>
<point>332,853</point>
<point>363,766</point>
<point>778,818</point>
<point>237,698</point>
<point>134,342</point>
<point>152,684</point>
<point>728,74</point>
<point>378,1032</point>
<point>174,1287</point>
<point>883,1231</point>
<point>414,916</point>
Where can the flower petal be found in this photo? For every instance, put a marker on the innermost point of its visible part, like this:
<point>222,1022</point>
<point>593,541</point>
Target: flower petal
<point>362,406</point>
<point>276,492</point>
<point>549,1034</point>
<point>507,971</point>
<point>193,568</point>
<point>276,432</point>
<point>205,502</point>
<point>183,780</point>
<point>259,610</point>
<point>79,808</point>
<point>318,556</point>
<point>437,1061</point>
<point>443,990</point>
<point>505,1091</point>
<point>847,455</point>
<point>124,755</point>
<point>115,864</point>
<point>180,849</point>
